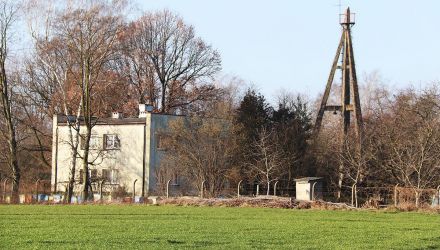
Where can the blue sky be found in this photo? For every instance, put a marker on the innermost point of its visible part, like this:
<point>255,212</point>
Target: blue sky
<point>289,44</point>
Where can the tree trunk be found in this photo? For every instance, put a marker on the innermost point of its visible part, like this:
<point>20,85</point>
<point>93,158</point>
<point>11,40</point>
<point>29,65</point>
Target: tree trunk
<point>289,179</point>
<point>352,194</point>
<point>417,196</point>
<point>356,195</point>
<point>354,200</point>
<point>12,141</point>
<point>71,182</point>
<point>340,178</point>
<point>15,181</point>
<point>74,147</point>
<point>163,99</point>
<point>268,188</point>
<point>86,179</point>
<point>74,142</point>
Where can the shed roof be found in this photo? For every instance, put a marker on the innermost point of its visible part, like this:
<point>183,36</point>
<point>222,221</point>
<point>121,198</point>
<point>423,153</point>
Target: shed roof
<point>308,179</point>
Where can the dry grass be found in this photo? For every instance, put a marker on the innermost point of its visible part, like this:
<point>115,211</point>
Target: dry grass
<point>263,202</point>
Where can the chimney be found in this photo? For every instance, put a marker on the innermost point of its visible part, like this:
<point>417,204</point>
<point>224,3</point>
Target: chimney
<point>116,115</point>
<point>144,109</point>
<point>149,108</point>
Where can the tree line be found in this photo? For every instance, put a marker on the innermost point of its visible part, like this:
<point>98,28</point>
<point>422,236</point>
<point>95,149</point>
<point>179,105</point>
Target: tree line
<point>88,58</point>
<point>259,144</point>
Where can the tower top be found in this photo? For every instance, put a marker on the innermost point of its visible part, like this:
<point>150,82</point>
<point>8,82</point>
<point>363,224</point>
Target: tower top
<point>347,18</point>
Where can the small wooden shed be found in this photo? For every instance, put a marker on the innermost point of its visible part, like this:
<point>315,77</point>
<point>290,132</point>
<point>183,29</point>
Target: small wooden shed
<point>309,188</point>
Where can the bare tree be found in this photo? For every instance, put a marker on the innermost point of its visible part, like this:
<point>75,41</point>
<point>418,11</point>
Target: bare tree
<point>181,62</point>
<point>8,13</point>
<point>411,139</point>
<point>358,158</point>
<point>200,149</point>
<point>268,161</point>
<point>52,72</point>
<point>135,66</point>
<point>90,33</point>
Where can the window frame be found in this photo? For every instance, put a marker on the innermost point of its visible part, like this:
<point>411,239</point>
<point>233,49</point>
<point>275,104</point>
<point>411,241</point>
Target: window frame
<point>115,138</point>
<point>112,176</point>
<point>92,146</point>
<point>93,175</point>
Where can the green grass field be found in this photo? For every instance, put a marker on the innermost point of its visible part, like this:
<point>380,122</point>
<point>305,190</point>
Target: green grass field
<point>113,226</point>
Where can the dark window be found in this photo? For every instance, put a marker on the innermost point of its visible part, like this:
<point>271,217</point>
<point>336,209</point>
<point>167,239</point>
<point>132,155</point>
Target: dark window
<point>115,176</point>
<point>94,142</point>
<point>106,175</point>
<point>111,142</point>
<point>93,175</point>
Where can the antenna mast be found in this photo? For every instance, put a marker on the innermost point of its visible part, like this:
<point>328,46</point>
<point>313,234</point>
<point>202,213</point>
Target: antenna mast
<point>350,92</point>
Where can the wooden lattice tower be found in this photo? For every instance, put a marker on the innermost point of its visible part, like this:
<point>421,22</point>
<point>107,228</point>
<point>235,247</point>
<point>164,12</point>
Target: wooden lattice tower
<point>349,86</point>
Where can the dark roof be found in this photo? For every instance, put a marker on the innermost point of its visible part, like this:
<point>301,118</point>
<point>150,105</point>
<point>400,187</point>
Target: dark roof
<point>62,120</point>
<point>307,179</point>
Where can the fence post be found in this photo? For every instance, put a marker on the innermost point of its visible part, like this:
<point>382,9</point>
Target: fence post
<point>203,188</point>
<point>258,190</point>
<point>356,195</point>
<point>36,188</point>
<point>66,194</point>
<point>238,189</point>
<point>168,188</point>
<point>395,195</point>
<point>10,194</point>
<point>1,180</point>
<point>313,190</point>
<point>101,183</point>
<point>4,188</point>
<point>275,189</point>
<point>134,189</point>
<point>438,195</point>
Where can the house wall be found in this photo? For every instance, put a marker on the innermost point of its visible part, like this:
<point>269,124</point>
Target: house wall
<point>128,160</point>
<point>159,124</point>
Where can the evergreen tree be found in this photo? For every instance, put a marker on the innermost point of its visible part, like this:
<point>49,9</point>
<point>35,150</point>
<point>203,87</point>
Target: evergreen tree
<point>253,114</point>
<point>292,123</point>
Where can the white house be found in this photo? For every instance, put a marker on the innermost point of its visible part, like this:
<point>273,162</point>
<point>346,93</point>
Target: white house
<point>127,151</point>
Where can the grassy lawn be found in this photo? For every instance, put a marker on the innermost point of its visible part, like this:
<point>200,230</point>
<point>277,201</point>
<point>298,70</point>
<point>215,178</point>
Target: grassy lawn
<point>113,226</point>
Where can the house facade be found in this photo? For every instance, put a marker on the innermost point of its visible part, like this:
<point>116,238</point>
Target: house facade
<point>125,152</point>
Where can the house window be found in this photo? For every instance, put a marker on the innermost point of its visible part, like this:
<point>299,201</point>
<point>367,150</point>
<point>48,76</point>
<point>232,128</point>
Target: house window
<point>93,175</point>
<point>111,142</point>
<point>94,142</point>
<point>106,175</point>
<point>110,175</point>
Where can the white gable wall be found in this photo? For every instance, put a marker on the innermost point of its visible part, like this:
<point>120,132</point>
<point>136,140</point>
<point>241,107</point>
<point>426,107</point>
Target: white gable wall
<point>127,160</point>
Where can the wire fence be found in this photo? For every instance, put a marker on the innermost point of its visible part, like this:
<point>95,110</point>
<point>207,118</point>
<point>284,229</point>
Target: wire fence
<point>367,197</point>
